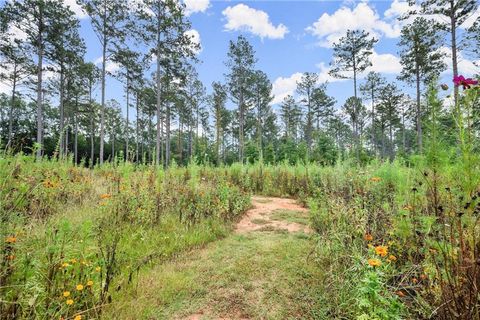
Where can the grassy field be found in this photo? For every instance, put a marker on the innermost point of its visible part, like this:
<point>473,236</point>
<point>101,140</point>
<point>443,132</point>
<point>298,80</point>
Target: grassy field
<point>383,241</point>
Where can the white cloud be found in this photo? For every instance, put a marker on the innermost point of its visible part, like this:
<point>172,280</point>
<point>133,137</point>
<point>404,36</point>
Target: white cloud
<point>471,19</point>
<point>329,28</point>
<point>111,66</point>
<point>385,63</point>
<point>242,17</point>
<point>79,13</point>
<point>283,87</point>
<point>5,89</point>
<point>398,8</point>
<point>466,67</point>
<point>324,76</point>
<point>194,6</point>
<point>195,38</point>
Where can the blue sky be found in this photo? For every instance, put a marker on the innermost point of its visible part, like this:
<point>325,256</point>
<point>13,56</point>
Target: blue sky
<point>289,37</point>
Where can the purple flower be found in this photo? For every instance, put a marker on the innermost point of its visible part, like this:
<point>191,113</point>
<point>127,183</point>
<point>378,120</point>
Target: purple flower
<point>465,83</point>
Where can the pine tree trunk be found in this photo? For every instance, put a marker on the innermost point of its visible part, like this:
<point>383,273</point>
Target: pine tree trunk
<point>137,137</point>
<point>453,28</point>
<point>196,128</point>
<point>102,109</point>
<point>383,141</point>
<point>92,128</point>
<point>127,123</point>
<point>190,142</point>
<point>62,109</point>
<point>92,142</point>
<point>357,140</point>
<point>39,85</point>
<point>149,137</point>
<point>159,87</point>
<point>66,138</point>
<point>113,149</point>
<point>240,129</point>
<point>374,142</point>
<point>12,107</point>
<point>259,130</point>
<point>75,145</point>
<point>167,138</point>
<point>391,142</point>
<point>179,141</point>
<point>419,111</point>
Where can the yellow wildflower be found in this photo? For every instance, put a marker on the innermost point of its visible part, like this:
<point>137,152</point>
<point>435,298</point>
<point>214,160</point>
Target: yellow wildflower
<point>375,179</point>
<point>381,250</point>
<point>11,239</point>
<point>69,302</point>
<point>392,258</point>
<point>66,294</point>
<point>105,196</point>
<point>98,269</point>
<point>78,317</point>
<point>374,262</point>
<point>368,237</point>
<point>89,283</point>
<point>79,287</point>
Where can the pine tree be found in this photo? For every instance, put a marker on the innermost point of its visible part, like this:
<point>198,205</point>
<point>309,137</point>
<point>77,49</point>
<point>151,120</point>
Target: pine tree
<point>388,109</point>
<point>262,97</point>
<point>456,13</point>
<point>353,108</point>
<point>15,69</point>
<point>473,40</point>
<point>322,105</point>
<point>91,76</point>
<point>195,97</point>
<point>291,115</point>
<point>218,100</point>
<point>351,56</point>
<point>67,53</point>
<point>241,61</point>
<point>130,68</point>
<point>109,19</point>
<point>421,61</point>
<point>163,25</point>
<point>306,88</point>
<point>36,18</point>
<point>371,89</point>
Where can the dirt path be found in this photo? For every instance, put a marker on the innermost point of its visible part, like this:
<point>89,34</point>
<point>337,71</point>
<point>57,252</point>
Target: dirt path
<point>261,271</point>
<point>275,214</point>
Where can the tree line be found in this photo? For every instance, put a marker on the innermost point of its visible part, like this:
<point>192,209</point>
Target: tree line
<point>52,108</point>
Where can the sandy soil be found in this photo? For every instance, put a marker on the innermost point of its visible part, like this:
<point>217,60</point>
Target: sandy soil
<point>263,207</point>
<point>260,218</point>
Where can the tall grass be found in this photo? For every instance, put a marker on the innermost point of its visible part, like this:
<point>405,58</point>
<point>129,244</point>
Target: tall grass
<point>395,240</point>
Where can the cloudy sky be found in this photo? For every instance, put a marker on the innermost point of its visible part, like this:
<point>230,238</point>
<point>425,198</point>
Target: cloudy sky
<point>289,37</point>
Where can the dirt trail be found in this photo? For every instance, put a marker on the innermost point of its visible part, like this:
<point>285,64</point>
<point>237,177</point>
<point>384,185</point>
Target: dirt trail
<point>263,215</point>
<point>267,214</point>
<point>260,271</point>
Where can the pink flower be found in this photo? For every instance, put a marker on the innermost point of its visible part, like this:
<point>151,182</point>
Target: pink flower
<point>465,83</point>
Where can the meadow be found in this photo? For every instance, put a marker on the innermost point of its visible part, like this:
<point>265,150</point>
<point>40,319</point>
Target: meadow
<point>389,241</point>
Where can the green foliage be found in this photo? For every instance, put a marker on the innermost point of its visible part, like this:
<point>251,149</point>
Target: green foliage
<point>71,236</point>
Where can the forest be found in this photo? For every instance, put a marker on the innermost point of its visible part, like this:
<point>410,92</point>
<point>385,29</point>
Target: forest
<point>189,200</point>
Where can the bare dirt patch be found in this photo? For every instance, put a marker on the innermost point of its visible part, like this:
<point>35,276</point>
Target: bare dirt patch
<point>263,208</point>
